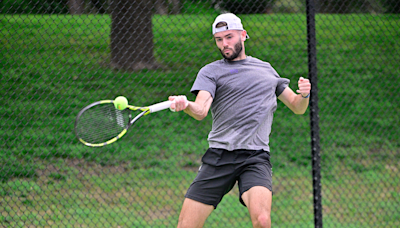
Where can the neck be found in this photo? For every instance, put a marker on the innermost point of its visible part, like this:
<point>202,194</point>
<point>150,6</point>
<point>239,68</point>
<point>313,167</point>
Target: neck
<point>240,57</point>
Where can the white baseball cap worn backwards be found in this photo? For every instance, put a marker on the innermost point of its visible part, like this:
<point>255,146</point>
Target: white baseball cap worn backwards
<point>232,23</point>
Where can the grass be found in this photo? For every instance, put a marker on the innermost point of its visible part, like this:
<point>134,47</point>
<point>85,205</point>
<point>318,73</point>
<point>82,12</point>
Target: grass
<point>52,66</point>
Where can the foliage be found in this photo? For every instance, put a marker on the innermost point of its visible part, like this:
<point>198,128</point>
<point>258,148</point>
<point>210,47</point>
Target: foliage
<point>209,6</point>
<point>358,6</point>
<point>391,6</point>
<point>33,6</point>
<point>246,6</point>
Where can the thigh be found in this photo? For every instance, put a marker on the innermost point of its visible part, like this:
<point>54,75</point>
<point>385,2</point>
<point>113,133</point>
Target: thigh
<point>258,200</point>
<point>193,213</point>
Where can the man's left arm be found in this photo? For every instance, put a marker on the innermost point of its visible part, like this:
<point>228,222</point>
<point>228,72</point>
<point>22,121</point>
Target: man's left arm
<point>298,103</point>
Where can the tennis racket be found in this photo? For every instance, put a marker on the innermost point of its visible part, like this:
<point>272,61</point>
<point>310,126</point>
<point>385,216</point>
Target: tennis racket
<point>100,123</point>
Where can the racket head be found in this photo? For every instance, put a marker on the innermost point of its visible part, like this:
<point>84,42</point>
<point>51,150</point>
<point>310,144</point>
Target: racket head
<point>100,123</point>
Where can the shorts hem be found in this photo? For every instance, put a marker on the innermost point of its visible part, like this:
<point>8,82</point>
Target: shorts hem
<point>200,200</point>
<point>240,196</point>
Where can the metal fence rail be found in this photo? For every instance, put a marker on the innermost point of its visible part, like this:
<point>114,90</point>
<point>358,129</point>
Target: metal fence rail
<point>59,56</point>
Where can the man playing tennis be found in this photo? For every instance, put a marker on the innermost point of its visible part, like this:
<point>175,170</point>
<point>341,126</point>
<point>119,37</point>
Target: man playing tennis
<point>242,93</point>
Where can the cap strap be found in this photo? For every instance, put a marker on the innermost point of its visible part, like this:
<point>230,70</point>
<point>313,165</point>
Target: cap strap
<point>221,29</point>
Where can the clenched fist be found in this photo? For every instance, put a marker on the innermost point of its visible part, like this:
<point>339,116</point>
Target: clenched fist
<point>304,87</point>
<point>179,103</point>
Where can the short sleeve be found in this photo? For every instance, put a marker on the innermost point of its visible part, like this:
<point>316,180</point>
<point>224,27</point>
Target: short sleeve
<point>204,81</point>
<point>282,84</point>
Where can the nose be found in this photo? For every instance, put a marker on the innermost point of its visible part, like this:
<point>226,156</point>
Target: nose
<point>225,43</point>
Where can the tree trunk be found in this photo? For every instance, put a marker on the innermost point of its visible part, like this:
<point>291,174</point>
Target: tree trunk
<point>76,6</point>
<point>131,35</point>
<point>160,7</point>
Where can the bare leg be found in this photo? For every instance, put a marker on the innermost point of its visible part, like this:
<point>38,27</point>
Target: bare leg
<point>194,214</point>
<point>258,200</point>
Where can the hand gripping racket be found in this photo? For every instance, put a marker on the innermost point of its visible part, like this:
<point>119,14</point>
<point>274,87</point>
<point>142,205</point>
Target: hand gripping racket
<point>100,123</point>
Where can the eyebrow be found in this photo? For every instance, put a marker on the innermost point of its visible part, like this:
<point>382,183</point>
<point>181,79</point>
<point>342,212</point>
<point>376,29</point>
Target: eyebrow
<point>229,34</point>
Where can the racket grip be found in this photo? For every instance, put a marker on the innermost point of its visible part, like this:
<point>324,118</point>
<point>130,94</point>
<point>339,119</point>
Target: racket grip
<point>160,106</point>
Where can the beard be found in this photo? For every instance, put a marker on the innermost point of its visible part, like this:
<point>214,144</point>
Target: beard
<point>235,53</point>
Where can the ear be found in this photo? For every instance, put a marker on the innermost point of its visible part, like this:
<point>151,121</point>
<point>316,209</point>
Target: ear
<point>243,34</point>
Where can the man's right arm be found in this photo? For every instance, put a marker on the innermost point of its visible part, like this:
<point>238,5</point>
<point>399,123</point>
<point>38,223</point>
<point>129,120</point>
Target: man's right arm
<point>197,109</point>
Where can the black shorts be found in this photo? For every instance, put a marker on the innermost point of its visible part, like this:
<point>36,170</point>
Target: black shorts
<point>221,169</point>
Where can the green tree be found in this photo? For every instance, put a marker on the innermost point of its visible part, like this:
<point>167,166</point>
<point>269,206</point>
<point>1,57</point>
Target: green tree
<point>247,6</point>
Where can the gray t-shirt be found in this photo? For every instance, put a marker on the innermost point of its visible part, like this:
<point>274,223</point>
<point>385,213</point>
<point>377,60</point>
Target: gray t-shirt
<point>244,99</point>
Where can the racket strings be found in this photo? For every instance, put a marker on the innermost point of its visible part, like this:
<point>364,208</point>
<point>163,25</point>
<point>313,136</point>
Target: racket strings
<point>101,123</point>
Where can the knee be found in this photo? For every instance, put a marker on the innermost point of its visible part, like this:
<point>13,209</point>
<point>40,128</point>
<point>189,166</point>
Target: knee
<point>263,220</point>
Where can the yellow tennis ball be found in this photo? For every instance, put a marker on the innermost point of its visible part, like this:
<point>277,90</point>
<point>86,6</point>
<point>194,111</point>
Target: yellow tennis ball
<point>121,103</point>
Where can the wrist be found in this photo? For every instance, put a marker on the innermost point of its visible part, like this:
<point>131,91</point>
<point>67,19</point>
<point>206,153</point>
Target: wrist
<point>308,95</point>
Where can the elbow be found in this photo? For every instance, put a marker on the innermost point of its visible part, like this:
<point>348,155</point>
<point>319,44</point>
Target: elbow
<point>202,114</point>
<point>200,117</point>
<point>299,111</point>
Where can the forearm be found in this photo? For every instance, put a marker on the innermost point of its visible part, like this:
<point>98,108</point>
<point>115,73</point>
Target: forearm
<point>196,111</point>
<point>293,101</point>
<point>300,104</point>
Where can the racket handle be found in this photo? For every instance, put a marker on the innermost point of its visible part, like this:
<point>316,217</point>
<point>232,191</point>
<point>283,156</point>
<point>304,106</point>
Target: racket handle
<point>160,106</point>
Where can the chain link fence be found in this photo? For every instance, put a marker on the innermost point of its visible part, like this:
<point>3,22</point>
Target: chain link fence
<point>58,56</point>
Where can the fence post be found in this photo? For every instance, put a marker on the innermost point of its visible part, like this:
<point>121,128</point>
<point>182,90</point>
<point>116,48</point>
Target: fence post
<point>314,118</point>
